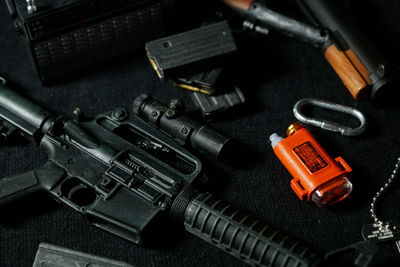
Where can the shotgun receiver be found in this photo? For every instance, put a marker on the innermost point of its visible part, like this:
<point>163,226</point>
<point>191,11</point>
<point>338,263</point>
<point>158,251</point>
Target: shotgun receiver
<point>356,61</point>
<point>122,173</point>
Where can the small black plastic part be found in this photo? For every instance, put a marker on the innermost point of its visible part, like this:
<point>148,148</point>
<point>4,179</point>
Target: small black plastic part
<point>76,133</point>
<point>8,132</point>
<point>214,106</point>
<point>191,52</point>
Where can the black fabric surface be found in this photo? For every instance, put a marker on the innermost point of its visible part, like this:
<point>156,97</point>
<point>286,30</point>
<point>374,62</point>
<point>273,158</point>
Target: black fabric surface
<point>274,73</point>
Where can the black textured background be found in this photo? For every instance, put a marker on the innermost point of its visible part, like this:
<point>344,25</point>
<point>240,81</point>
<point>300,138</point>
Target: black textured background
<point>274,73</point>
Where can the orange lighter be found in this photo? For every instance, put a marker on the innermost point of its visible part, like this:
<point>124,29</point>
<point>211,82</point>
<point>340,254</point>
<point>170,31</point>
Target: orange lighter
<point>316,176</point>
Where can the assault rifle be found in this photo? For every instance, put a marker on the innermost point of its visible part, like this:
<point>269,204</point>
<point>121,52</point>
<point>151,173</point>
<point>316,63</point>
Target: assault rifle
<point>122,173</point>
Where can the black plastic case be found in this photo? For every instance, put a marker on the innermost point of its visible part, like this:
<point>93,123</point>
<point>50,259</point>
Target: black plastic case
<point>64,37</point>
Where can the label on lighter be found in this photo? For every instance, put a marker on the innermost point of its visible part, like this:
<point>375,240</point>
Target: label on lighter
<point>373,232</point>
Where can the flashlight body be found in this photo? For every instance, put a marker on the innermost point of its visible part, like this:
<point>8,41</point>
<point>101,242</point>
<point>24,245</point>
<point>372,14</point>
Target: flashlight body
<point>316,176</point>
<point>183,129</point>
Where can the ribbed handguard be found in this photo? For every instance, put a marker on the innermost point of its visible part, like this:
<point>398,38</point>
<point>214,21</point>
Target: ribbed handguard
<point>243,236</point>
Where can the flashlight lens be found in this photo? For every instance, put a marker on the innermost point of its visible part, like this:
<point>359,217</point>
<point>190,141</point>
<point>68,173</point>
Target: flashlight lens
<point>332,192</point>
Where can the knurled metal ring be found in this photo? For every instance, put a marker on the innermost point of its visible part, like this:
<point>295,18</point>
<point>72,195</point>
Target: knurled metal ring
<point>138,103</point>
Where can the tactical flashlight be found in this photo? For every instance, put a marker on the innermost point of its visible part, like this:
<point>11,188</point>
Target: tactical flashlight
<point>316,176</point>
<point>186,131</point>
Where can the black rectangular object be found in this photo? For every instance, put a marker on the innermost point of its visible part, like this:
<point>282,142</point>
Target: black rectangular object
<point>67,36</point>
<point>213,106</point>
<point>192,51</point>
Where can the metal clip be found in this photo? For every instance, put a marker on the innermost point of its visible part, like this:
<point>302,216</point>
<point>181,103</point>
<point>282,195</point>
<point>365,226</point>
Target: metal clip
<point>326,124</point>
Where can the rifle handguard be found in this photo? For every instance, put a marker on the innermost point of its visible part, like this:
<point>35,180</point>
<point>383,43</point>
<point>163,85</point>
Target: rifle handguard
<point>243,236</point>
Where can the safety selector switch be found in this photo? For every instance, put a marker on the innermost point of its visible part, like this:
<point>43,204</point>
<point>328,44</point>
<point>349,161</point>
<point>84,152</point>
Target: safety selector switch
<point>316,176</point>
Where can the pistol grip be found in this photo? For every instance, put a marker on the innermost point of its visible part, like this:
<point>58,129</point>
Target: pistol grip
<point>16,187</point>
<point>13,188</point>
